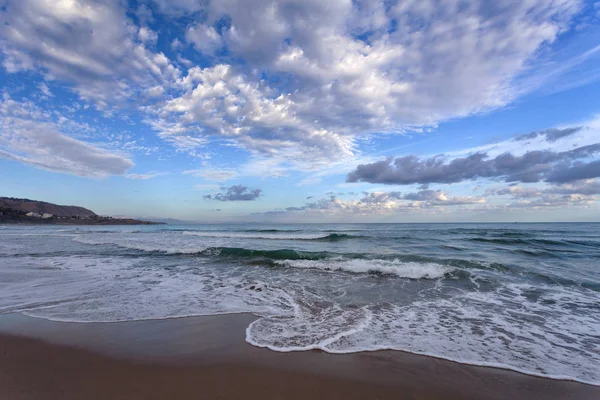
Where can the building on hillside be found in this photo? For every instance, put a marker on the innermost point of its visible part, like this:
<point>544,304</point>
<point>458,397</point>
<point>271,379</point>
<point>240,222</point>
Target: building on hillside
<point>33,214</point>
<point>46,215</point>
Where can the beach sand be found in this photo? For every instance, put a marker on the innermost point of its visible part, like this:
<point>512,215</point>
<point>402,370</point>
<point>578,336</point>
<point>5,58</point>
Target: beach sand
<point>207,358</point>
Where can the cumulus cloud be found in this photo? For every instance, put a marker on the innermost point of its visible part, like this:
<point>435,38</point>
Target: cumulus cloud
<point>235,193</point>
<point>296,81</point>
<point>579,170</point>
<point>46,92</point>
<point>386,203</point>
<point>532,166</point>
<point>28,137</point>
<point>438,197</point>
<point>90,44</point>
<point>222,102</point>
<point>204,38</point>
<point>317,74</point>
<point>580,193</point>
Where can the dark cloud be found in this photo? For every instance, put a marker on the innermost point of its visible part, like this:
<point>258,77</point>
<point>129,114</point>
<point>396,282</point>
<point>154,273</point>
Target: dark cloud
<point>551,135</point>
<point>556,194</point>
<point>533,166</point>
<point>575,172</point>
<point>380,197</point>
<point>423,195</point>
<point>296,208</point>
<point>235,193</point>
<point>587,188</point>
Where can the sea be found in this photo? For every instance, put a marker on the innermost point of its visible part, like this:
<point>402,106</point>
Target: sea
<point>524,297</point>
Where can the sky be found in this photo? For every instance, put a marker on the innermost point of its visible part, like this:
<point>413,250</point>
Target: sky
<point>304,110</point>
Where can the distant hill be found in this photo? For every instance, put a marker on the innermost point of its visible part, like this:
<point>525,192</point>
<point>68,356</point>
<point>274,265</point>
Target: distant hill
<point>40,207</point>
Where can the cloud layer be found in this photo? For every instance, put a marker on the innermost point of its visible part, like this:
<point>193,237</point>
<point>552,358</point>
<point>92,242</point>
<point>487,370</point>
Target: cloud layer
<point>27,136</point>
<point>532,166</point>
<point>297,81</point>
<point>235,193</point>
<point>90,44</point>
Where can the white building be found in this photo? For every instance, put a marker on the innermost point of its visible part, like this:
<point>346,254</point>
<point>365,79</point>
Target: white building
<point>46,215</point>
<point>33,214</point>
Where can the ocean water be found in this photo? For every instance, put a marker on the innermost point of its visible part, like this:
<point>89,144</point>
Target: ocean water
<point>520,296</point>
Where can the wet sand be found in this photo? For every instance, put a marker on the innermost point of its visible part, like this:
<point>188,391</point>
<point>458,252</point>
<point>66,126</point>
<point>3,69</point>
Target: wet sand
<point>207,358</point>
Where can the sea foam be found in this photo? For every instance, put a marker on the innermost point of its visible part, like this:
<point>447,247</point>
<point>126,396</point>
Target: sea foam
<point>411,270</point>
<point>483,304</point>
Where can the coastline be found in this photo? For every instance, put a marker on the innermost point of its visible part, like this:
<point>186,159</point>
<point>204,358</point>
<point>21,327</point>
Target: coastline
<point>194,356</point>
<point>76,222</point>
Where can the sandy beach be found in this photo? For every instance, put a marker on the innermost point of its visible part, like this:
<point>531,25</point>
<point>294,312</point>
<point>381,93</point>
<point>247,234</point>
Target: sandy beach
<point>207,357</point>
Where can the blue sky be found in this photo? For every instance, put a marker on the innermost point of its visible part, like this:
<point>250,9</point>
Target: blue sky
<point>304,111</point>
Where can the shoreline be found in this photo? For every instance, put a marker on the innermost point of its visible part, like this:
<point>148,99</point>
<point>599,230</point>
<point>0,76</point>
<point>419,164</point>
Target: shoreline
<point>215,346</point>
<point>251,318</point>
<point>82,222</point>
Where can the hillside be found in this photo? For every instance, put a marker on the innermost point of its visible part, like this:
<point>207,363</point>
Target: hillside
<point>41,207</point>
<point>17,211</point>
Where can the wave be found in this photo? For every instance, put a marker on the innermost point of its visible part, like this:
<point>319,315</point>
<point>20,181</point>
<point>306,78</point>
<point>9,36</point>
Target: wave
<point>393,264</point>
<point>512,234</point>
<point>269,257</point>
<point>347,230</point>
<point>326,261</point>
<point>411,270</point>
<point>519,241</point>
<point>272,230</point>
<point>249,254</point>
<point>590,243</point>
<point>144,246</point>
<point>507,241</point>
<point>333,237</point>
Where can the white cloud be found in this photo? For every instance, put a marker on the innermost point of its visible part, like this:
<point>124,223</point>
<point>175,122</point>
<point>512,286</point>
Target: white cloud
<point>301,79</point>
<point>205,38</point>
<point>90,44</point>
<point>146,176</point>
<point>387,203</point>
<point>353,68</point>
<point>213,174</point>
<point>46,92</point>
<point>588,135</point>
<point>147,35</point>
<point>27,136</point>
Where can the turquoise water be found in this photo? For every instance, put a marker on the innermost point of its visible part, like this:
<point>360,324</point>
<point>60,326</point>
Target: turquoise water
<point>519,296</point>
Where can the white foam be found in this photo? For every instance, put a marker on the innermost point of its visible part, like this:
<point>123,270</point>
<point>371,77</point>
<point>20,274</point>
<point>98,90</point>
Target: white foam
<point>411,270</point>
<point>111,289</point>
<point>258,235</point>
<point>545,330</point>
<point>144,243</point>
